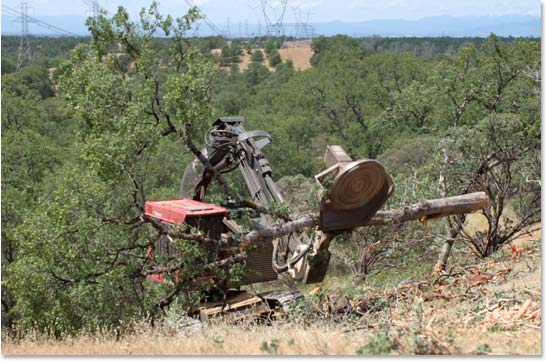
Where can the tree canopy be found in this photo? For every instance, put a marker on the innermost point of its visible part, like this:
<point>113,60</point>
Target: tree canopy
<point>89,136</point>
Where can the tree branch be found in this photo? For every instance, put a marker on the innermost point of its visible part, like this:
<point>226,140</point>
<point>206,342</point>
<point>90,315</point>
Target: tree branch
<point>427,209</point>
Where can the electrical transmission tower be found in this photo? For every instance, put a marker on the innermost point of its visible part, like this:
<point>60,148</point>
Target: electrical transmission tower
<point>22,15</point>
<point>302,29</point>
<point>95,7</point>
<point>259,29</point>
<point>274,17</point>
<point>307,30</point>
<point>25,56</point>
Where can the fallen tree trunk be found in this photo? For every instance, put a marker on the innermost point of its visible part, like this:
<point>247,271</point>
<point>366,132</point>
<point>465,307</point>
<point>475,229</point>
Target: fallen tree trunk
<point>433,208</point>
<point>428,209</point>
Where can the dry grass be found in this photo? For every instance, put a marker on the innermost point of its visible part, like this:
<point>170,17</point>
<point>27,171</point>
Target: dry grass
<point>299,52</point>
<point>217,340</point>
<point>245,60</point>
<point>491,306</point>
<point>496,302</point>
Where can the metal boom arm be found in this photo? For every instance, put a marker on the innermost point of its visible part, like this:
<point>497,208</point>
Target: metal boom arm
<point>227,144</point>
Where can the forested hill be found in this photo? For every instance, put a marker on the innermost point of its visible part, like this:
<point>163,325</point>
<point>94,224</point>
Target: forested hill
<point>427,47</point>
<point>88,137</point>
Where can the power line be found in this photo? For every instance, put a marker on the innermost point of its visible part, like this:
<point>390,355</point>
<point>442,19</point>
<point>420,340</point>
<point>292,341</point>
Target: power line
<point>301,27</point>
<point>209,23</point>
<point>255,10</point>
<point>25,17</point>
<point>95,7</point>
<point>273,23</point>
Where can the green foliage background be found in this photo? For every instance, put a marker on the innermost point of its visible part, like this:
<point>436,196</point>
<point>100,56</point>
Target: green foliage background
<point>80,160</point>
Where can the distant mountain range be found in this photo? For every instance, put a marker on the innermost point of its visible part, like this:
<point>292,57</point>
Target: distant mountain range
<point>474,26</point>
<point>479,26</point>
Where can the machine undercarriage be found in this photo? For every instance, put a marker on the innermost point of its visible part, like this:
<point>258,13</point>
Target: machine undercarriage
<point>350,193</point>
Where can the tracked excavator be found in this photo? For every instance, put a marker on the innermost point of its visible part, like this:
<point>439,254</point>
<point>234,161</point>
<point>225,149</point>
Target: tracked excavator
<point>349,193</point>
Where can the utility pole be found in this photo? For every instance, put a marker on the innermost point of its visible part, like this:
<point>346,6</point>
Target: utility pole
<point>24,57</point>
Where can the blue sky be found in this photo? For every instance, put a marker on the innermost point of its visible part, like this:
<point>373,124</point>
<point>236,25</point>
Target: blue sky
<point>298,10</point>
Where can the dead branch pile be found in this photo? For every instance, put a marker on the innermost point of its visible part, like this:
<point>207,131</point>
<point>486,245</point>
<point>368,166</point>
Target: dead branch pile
<point>461,283</point>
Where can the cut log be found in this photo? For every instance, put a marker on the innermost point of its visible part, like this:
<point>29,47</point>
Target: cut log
<point>427,209</point>
<point>433,208</point>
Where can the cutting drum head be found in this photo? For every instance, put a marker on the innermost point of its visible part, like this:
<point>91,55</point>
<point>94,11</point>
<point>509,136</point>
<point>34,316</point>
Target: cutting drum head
<point>357,184</point>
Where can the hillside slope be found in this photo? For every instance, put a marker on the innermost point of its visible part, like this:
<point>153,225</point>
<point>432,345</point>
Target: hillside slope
<point>489,307</point>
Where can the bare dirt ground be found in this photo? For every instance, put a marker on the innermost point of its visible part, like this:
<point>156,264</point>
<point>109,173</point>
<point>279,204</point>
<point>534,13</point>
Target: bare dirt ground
<point>490,306</point>
<point>299,52</point>
<point>245,60</point>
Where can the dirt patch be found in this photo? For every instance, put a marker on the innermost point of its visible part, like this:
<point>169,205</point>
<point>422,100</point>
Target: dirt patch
<point>299,52</point>
<point>300,57</point>
<point>245,60</point>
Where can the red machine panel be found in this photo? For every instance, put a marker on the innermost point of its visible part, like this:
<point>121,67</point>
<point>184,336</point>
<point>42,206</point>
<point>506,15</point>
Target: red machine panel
<point>177,210</point>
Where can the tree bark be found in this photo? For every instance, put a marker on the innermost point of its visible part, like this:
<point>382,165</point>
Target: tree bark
<point>433,208</point>
<point>424,210</point>
<point>451,232</point>
<point>281,229</point>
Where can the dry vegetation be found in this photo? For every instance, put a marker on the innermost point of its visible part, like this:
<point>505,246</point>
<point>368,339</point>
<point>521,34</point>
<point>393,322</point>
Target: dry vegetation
<point>75,239</point>
<point>487,307</point>
<point>299,52</point>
